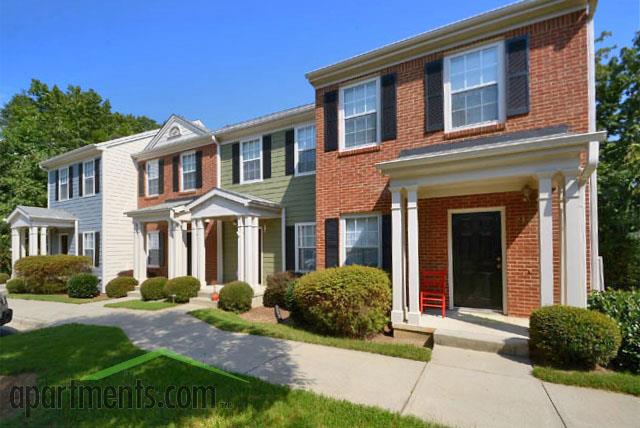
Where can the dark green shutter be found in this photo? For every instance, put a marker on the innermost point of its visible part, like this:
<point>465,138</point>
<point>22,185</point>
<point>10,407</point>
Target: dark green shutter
<point>266,156</point>
<point>290,248</point>
<point>331,242</point>
<point>433,97</point>
<point>141,183</point>
<point>56,177</point>
<point>80,179</point>
<point>330,121</point>
<point>386,242</point>
<point>388,101</point>
<point>176,173</point>
<point>70,181</point>
<point>160,176</point>
<point>96,246</point>
<point>96,176</point>
<point>517,75</point>
<point>289,152</point>
<point>79,244</point>
<point>199,169</point>
<point>235,166</point>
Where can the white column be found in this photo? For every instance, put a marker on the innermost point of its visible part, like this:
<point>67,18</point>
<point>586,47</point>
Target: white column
<point>15,248</point>
<point>252,255</point>
<point>43,241</point>
<point>220,260</point>
<point>194,249</point>
<point>545,236</point>
<point>139,253</point>
<point>397,242</point>
<point>33,240</point>
<point>171,250</point>
<point>575,274</point>
<point>23,231</point>
<point>412,255</point>
<point>202,252</point>
<point>241,273</point>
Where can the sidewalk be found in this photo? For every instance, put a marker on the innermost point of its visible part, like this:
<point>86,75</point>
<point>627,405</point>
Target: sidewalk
<point>458,387</point>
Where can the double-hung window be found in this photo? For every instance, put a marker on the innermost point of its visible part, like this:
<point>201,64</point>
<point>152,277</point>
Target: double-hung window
<point>153,177</point>
<point>188,161</point>
<point>361,240</point>
<point>88,178</point>
<point>63,184</point>
<point>360,112</point>
<point>305,247</point>
<point>305,156</point>
<point>88,246</point>
<point>153,248</point>
<point>473,87</point>
<point>251,164</point>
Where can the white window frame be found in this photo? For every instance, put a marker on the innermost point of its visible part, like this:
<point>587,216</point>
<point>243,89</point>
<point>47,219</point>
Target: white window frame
<point>60,195</point>
<point>343,235</point>
<point>501,88</point>
<point>296,158</point>
<point>341,118</point>
<point>93,242</point>
<point>195,171</point>
<point>156,233</point>
<point>147,175</point>
<point>249,140</point>
<point>84,177</point>
<point>297,226</point>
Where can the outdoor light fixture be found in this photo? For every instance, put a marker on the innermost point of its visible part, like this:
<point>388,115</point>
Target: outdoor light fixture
<point>526,193</point>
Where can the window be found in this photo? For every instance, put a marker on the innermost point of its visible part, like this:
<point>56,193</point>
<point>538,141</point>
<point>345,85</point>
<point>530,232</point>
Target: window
<point>153,248</point>
<point>188,161</point>
<point>88,178</point>
<point>472,87</point>
<point>305,247</point>
<point>251,164</point>
<point>360,114</point>
<point>63,184</point>
<point>153,177</point>
<point>88,246</point>
<point>305,155</point>
<point>361,240</point>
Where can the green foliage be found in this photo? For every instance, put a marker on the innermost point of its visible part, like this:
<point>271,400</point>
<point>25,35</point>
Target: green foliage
<point>4,277</point>
<point>49,274</point>
<point>120,286</point>
<point>352,301</point>
<point>83,285</point>
<point>573,338</point>
<point>290,299</point>
<point>42,122</point>
<point>236,297</point>
<point>277,285</point>
<point>182,287</point>
<point>16,286</point>
<point>153,288</point>
<point>624,308</point>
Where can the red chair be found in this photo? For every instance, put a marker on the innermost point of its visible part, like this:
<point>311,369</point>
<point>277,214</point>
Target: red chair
<point>432,290</point>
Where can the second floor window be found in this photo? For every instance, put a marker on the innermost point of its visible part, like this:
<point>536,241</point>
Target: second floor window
<point>188,171</point>
<point>305,149</point>
<point>88,178</point>
<point>153,180</point>
<point>63,184</point>
<point>360,110</point>
<point>251,160</point>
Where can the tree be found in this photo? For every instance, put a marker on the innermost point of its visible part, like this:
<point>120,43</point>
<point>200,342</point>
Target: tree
<point>43,122</point>
<point>618,112</point>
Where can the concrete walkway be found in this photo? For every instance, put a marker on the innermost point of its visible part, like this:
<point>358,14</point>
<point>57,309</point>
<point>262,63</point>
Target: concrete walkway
<point>458,387</point>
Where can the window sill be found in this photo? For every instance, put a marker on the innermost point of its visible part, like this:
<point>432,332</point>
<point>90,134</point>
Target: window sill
<point>187,192</point>
<point>151,197</point>
<point>471,132</point>
<point>353,152</point>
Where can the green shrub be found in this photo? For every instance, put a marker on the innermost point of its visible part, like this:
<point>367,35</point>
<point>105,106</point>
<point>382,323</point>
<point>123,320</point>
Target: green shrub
<point>236,297</point>
<point>120,286</point>
<point>182,287</point>
<point>290,300</point>
<point>352,301</point>
<point>4,277</point>
<point>572,338</point>
<point>153,288</point>
<point>277,284</point>
<point>83,285</point>
<point>16,285</point>
<point>49,274</point>
<point>624,308</point>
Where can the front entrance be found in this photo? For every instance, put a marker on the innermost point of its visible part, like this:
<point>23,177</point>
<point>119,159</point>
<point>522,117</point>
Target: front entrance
<point>64,243</point>
<point>476,245</point>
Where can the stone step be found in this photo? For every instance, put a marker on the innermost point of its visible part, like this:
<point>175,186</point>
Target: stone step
<point>203,301</point>
<point>517,346</point>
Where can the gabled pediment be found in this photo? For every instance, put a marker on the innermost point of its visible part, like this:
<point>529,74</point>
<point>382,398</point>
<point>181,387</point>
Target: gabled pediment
<point>177,129</point>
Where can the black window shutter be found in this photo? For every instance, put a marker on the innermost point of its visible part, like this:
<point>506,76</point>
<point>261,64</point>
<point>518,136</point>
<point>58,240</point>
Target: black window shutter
<point>289,152</point>
<point>386,242</point>
<point>79,244</point>
<point>96,172</point>
<point>388,99</point>
<point>199,169</point>
<point>331,242</point>
<point>162,241</point>
<point>175,173</point>
<point>433,97</point>
<point>141,183</point>
<point>96,251</point>
<point>331,121</point>
<point>160,177</point>
<point>266,156</point>
<point>55,176</point>
<point>517,75</point>
<point>290,248</point>
<point>80,179</point>
<point>235,167</point>
<point>70,181</point>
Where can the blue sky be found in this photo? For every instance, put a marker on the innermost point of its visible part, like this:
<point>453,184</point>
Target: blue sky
<point>221,62</point>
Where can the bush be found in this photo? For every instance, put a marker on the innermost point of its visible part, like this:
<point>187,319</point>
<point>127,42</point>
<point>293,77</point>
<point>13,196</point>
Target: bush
<point>120,286</point>
<point>16,285</point>
<point>624,308</point>
<point>49,274</point>
<point>236,297</point>
<point>290,300</point>
<point>277,285</point>
<point>4,277</point>
<point>153,288</point>
<point>572,338</point>
<point>183,287</point>
<point>83,285</point>
<point>352,301</point>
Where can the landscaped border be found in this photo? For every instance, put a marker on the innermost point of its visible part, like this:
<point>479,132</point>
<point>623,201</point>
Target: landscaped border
<point>626,383</point>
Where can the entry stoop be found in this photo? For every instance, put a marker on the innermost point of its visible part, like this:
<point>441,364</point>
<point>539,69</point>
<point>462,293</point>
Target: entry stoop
<point>516,346</point>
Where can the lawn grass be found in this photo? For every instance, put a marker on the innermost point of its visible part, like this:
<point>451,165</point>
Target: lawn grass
<point>231,322</point>
<point>61,354</point>
<point>60,298</point>
<point>142,305</point>
<point>626,383</point>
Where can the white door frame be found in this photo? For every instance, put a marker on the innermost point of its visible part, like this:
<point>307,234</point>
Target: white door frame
<point>503,239</point>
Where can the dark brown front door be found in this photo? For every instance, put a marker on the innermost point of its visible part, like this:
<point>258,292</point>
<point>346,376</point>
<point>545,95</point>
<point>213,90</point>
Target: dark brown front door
<point>477,260</point>
<point>64,244</point>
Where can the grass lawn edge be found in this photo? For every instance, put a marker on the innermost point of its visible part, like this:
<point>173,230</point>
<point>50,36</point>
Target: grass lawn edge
<point>58,298</point>
<point>620,382</point>
<point>142,305</point>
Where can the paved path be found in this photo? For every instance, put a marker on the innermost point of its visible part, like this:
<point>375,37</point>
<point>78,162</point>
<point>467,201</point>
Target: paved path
<point>458,387</point>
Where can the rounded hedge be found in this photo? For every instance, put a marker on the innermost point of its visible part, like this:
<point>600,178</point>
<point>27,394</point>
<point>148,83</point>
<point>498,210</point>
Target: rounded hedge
<point>83,285</point>
<point>352,301</point>
<point>4,277</point>
<point>153,288</point>
<point>16,286</point>
<point>182,287</point>
<point>236,297</point>
<point>277,285</point>
<point>573,338</point>
<point>49,274</point>
<point>120,286</point>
